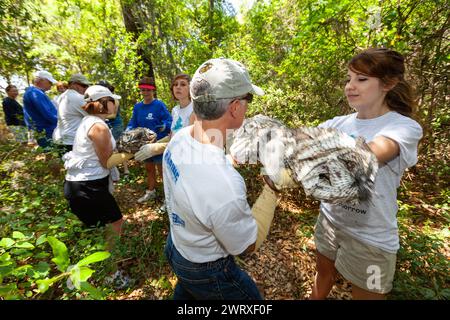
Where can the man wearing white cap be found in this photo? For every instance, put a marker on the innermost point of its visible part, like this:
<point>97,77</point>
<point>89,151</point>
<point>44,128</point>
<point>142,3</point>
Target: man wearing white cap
<point>70,112</point>
<point>39,111</point>
<point>210,218</point>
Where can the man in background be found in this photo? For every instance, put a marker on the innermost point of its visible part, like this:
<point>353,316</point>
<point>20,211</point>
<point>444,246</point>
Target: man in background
<point>70,112</point>
<point>39,111</point>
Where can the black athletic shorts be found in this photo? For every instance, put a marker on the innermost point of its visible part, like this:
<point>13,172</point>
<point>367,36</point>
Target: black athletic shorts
<point>91,201</point>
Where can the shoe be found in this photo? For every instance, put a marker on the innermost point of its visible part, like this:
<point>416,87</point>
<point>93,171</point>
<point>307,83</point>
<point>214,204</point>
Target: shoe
<point>149,195</point>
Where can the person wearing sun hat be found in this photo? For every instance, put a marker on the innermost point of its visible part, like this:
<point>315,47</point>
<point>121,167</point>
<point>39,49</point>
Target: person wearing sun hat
<point>87,184</point>
<point>151,113</point>
<point>39,111</point>
<point>206,198</point>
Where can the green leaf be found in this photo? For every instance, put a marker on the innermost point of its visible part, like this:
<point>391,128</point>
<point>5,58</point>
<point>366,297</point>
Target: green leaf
<point>24,245</point>
<point>7,269</point>
<point>85,273</point>
<point>41,270</point>
<point>18,235</point>
<point>79,275</point>
<point>41,239</point>
<point>8,289</point>
<point>6,242</point>
<point>60,252</point>
<point>21,271</point>
<point>44,284</point>
<point>41,255</point>
<point>95,257</point>
<point>5,259</point>
<point>93,291</point>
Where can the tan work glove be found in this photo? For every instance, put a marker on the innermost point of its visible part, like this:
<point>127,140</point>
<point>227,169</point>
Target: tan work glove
<point>118,158</point>
<point>150,150</point>
<point>282,179</point>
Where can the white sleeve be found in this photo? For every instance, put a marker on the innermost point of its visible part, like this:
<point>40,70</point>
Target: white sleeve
<point>326,124</point>
<point>407,134</point>
<point>80,102</point>
<point>234,226</point>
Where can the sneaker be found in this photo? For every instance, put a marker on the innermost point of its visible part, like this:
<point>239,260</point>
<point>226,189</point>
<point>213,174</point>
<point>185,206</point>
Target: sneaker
<point>149,195</point>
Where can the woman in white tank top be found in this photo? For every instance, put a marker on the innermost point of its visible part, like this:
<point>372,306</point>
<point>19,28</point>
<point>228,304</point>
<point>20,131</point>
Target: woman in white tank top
<point>87,180</point>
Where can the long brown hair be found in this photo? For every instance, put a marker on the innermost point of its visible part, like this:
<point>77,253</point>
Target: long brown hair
<point>389,66</point>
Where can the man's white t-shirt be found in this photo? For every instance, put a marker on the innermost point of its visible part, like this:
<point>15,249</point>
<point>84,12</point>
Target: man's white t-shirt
<point>375,222</point>
<point>180,117</point>
<point>70,115</point>
<point>206,200</point>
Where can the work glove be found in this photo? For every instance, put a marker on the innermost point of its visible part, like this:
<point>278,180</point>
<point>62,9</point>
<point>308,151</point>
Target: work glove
<point>280,180</point>
<point>118,158</point>
<point>150,150</point>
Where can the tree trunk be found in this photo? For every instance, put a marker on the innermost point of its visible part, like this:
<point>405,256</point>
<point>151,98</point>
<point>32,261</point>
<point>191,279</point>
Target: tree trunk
<point>132,27</point>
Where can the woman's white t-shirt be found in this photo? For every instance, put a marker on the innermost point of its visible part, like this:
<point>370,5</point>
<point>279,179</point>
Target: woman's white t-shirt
<point>181,117</point>
<point>375,222</point>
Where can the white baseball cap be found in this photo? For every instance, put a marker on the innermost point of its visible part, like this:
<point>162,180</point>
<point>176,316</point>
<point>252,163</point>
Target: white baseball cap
<point>95,92</point>
<point>45,75</point>
<point>227,78</point>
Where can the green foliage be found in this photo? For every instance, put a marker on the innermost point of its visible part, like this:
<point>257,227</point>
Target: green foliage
<point>421,264</point>
<point>17,18</point>
<point>34,215</point>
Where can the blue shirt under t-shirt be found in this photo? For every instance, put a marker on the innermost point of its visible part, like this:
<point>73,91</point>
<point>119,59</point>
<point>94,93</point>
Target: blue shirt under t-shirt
<point>152,116</point>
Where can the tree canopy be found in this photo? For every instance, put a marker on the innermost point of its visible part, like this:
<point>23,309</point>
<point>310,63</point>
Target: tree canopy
<point>297,50</point>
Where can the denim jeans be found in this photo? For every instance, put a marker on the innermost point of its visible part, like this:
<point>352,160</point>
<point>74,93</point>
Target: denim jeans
<point>217,280</point>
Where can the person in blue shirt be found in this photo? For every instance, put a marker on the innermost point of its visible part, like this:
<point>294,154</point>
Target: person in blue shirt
<point>151,113</point>
<point>40,113</point>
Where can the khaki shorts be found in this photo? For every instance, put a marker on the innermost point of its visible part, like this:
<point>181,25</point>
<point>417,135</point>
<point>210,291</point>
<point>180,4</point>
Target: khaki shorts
<point>365,266</point>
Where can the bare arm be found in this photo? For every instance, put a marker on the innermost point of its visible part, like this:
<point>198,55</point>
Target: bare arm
<point>101,138</point>
<point>385,149</point>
